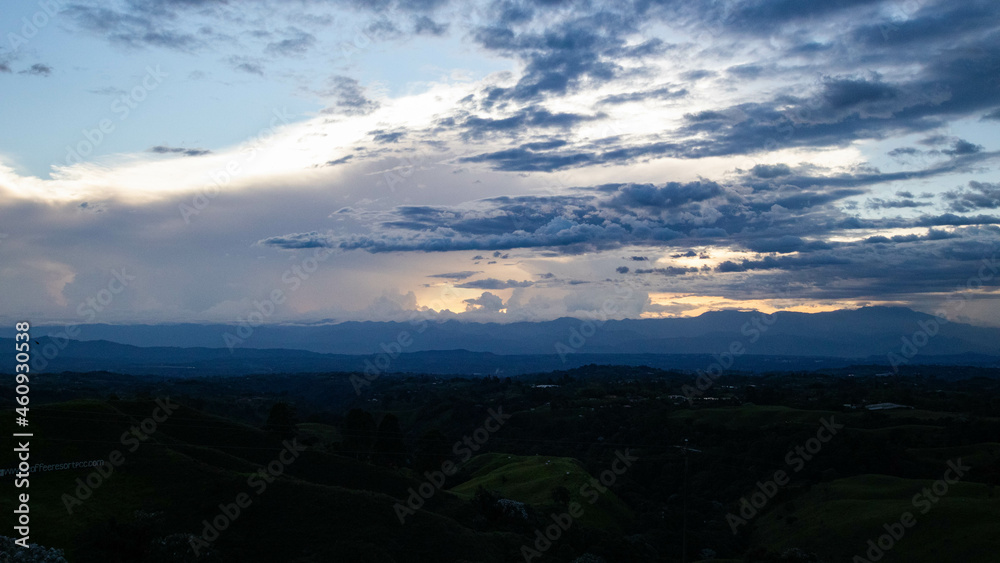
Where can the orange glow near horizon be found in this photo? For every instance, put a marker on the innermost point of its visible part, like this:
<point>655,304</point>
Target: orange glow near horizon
<point>704,303</point>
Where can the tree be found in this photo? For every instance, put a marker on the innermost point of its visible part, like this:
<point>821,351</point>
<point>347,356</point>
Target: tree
<point>359,434</point>
<point>389,448</point>
<point>488,503</point>
<point>560,495</point>
<point>282,419</point>
<point>433,449</point>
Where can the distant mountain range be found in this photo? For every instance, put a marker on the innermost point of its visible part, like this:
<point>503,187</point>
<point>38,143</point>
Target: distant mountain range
<point>784,340</point>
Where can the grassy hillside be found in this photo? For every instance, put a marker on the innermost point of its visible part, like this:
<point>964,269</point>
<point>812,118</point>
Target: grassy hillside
<point>193,462</point>
<point>838,518</point>
<point>530,479</point>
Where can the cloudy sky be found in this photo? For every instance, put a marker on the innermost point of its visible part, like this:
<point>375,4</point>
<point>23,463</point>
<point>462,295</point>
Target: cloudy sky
<point>193,160</point>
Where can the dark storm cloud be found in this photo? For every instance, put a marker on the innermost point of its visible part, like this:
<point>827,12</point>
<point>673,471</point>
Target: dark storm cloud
<point>297,42</point>
<point>341,160</point>
<point>107,91</point>
<point>963,147</point>
<point>699,74</point>
<point>532,116</point>
<point>566,55</point>
<point>931,235</point>
<point>782,263</point>
<point>786,244</point>
<point>950,219</point>
<point>142,24</point>
<point>455,275</point>
<point>877,271</point>
<point>668,271</point>
<point>807,199</point>
<point>785,214</point>
<point>522,159</point>
<point>745,71</point>
<point>247,65</point>
<point>932,22</point>
<point>662,93</point>
<point>851,93</point>
<point>904,151</point>
<point>979,195</point>
<point>382,137</point>
<point>846,108</point>
<point>672,194</point>
<point>348,96</point>
<point>423,25</point>
<point>493,283</point>
<point>570,224</point>
<point>763,17</point>
<point>162,149</point>
<point>37,69</point>
<point>770,170</point>
<point>746,129</point>
<point>299,240</point>
<point>879,203</point>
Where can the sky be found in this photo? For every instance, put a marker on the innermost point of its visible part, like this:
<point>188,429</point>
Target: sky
<point>322,161</point>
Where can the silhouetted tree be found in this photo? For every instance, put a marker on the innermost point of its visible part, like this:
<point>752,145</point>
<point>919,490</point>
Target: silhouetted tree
<point>282,419</point>
<point>433,449</point>
<point>560,495</point>
<point>389,448</point>
<point>359,434</point>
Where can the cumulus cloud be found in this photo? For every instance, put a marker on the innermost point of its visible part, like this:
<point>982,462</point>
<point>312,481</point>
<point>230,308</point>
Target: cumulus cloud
<point>485,302</point>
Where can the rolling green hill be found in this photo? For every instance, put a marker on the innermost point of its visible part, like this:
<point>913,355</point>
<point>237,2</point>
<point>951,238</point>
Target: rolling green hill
<point>530,479</point>
<point>838,518</point>
<point>322,507</point>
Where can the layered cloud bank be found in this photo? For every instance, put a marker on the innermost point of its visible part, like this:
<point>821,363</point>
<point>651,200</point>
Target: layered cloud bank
<point>501,160</point>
